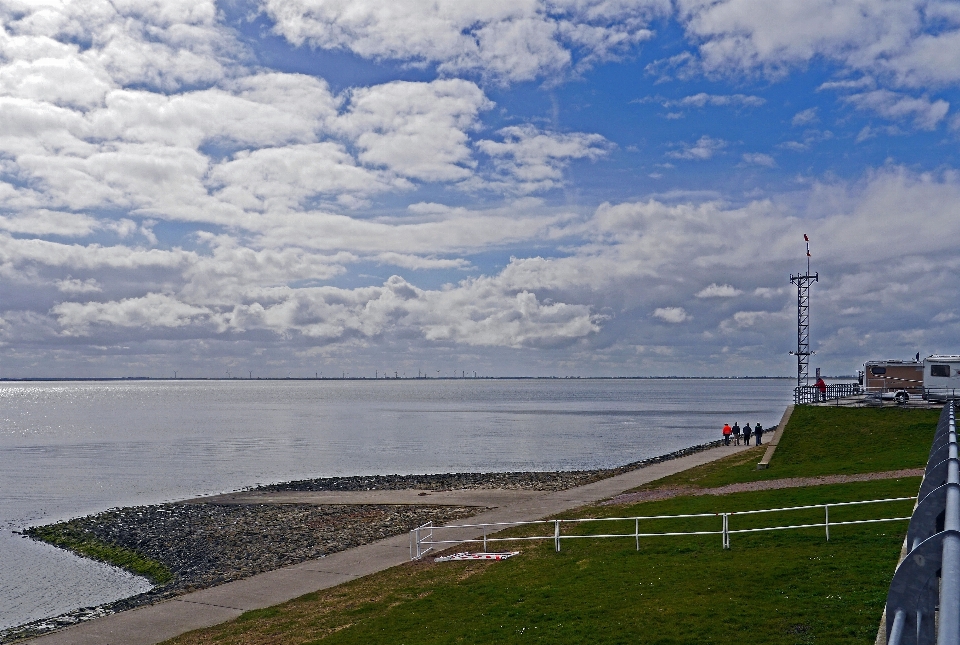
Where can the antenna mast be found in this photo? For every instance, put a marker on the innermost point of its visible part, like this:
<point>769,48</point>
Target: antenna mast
<point>803,352</point>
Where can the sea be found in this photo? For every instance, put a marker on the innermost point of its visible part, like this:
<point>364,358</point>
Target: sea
<point>68,449</point>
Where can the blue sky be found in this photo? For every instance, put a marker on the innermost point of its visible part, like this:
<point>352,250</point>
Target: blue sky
<point>595,187</point>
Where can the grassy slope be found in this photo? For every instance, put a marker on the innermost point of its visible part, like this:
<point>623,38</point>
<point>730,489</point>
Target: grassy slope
<point>769,588</point>
<point>781,587</point>
<point>827,441</point>
<point>65,536</point>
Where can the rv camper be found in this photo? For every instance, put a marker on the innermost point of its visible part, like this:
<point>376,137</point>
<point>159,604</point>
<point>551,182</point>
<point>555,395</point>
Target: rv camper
<point>896,380</point>
<point>941,377</point>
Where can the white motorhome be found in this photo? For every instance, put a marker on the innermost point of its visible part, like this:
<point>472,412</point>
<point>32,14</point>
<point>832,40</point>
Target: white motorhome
<point>941,377</point>
<point>892,379</point>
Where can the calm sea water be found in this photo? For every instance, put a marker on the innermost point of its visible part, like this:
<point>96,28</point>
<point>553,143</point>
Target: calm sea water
<point>72,448</point>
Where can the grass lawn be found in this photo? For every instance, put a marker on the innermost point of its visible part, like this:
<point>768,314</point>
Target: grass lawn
<point>789,587</point>
<point>826,441</point>
<point>781,587</point>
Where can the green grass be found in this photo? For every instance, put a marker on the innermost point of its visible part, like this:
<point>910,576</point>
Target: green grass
<point>67,537</point>
<point>782,587</point>
<point>788,587</point>
<point>826,441</point>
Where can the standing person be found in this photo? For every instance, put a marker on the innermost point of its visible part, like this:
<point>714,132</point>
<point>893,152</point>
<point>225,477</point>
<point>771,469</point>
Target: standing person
<point>758,432</point>
<point>736,432</point>
<point>746,435</point>
<point>821,389</point>
<point>726,434</point>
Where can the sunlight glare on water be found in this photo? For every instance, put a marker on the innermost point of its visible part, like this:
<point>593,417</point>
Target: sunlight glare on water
<point>73,448</point>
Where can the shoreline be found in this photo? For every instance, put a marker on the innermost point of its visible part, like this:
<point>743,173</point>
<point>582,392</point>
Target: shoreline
<point>54,379</point>
<point>170,530</point>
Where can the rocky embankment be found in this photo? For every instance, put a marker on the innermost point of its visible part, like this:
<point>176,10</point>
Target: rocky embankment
<point>545,481</point>
<point>207,544</point>
<point>204,545</point>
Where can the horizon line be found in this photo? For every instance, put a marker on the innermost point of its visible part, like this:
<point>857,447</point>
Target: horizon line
<point>399,378</point>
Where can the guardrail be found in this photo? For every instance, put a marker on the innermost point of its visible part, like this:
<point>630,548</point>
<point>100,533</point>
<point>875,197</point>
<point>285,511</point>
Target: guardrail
<point>941,394</point>
<point>811,394</point>
<point>923,604</point>
<point>422,538</point>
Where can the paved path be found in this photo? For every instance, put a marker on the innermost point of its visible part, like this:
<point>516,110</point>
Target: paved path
<point>149,625</point>
<point>770,484</point>
<point>774,441</point>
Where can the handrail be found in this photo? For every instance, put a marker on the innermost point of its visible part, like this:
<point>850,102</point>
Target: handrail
<point>923,604</point>
<point>811,393</point>
<point>423,536</point>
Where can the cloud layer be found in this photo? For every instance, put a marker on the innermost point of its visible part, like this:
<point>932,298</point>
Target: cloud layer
<point>506,42</point>
<point>166,196</point>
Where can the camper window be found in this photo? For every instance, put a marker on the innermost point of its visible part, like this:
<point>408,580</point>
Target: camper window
<point>939,370</point>
<point>877,371</point>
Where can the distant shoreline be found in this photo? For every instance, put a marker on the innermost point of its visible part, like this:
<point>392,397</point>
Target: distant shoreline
<point>33,379</point>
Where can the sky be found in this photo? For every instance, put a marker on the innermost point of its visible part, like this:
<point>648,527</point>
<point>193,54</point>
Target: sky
<point>530,188</point>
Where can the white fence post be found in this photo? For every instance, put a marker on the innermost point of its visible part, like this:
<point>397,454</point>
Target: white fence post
<point>826,519</point>
<point>422,540</point>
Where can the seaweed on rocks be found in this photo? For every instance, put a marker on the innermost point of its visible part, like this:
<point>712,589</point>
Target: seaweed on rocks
<point>204,545</point>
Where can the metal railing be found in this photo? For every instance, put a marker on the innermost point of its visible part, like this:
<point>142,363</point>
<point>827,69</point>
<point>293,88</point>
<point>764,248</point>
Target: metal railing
<point>941,394</point>
<point>811,394</point>
<point>422,538</point>
<point>923,604</point>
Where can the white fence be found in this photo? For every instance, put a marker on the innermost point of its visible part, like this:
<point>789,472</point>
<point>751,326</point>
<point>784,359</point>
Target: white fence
<point>422,538</point>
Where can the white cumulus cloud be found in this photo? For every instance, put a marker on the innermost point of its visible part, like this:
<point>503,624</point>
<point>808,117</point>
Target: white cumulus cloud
<point>505,41</point>
<point>533,160</point>
<point>805,117</point>
<point>671,314</point>
<point>703,99</point>
<point>911,42</point>
<point>759,159</point>
<point>925,113</point>
<point>704,148</point>
<point>719,291</point>
<point>416,130</point>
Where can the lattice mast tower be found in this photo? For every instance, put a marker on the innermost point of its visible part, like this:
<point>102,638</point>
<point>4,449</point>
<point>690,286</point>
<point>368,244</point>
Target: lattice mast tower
<point>803,352</point>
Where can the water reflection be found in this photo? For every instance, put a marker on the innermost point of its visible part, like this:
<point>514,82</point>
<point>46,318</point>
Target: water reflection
<point>68,449</point>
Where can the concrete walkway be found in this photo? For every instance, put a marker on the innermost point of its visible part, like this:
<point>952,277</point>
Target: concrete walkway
<point>774,441</point>
<point>156,623</point>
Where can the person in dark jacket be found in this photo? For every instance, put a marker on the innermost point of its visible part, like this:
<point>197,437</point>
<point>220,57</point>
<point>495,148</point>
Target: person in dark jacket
<point>758,432</point>
<point>736,432</point>
<point>746,435</point>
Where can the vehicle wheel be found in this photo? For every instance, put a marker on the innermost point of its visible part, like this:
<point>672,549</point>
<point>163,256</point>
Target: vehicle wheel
<point>901,398</point>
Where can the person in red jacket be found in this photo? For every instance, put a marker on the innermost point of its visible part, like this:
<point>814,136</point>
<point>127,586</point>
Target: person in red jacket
<point>727,431</point>
<point>822,389</point>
